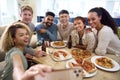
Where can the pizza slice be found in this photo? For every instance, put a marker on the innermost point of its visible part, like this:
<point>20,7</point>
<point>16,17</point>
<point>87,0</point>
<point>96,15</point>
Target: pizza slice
<point>57,54</point>
<point>72,64</point>
<point>104,62</point>
<point>88,66</point>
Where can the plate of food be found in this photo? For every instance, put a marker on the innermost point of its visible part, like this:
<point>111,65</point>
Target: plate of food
<point>60,55</point>
<point>89,68</point>
<point>79,53</point>
<point>58,44</point>
<point>105,63</point>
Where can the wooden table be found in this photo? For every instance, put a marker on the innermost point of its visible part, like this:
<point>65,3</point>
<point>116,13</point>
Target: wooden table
<point>101,74</point>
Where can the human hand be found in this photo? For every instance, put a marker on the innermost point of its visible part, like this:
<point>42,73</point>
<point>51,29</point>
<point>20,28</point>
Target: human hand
<point>88,30</point>
<point>40,53</point>
<point>43,30</point>
<point>37,70</point>
<point>28,56</point>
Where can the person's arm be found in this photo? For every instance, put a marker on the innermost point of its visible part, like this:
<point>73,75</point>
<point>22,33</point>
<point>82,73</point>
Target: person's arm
<point>58,36</point>
<point>20,74</point>
<point>38,29</point>
<point>18,68</point>
<point>36,70</point>
<point>91,41</point>
<point>53,34</point>
<point>104,38</point>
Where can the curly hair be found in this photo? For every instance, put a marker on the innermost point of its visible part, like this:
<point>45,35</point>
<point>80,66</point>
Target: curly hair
<point>9,34</point>
<point>106,18</point>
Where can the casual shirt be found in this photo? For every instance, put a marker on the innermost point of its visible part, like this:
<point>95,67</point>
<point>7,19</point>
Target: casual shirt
<point>51,33</point>
<point>88,39</point>
<point>63,33</point>
<point>8,69</point>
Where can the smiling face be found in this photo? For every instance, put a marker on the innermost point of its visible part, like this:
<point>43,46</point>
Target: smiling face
<point>64,18</point>
<point>49,20</point>
<point>26,16</point>
<point>94,19</point>
<point>21,37</point>
<point>79,25</point>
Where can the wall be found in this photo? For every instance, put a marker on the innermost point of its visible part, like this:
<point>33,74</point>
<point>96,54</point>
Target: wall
<point>32,3</point>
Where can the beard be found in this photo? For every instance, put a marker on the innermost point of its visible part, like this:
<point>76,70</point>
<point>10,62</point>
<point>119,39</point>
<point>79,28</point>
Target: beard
<point>48,24</point>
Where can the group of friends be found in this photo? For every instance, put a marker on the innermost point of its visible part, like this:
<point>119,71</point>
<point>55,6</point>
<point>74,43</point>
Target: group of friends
<point>101,37</point>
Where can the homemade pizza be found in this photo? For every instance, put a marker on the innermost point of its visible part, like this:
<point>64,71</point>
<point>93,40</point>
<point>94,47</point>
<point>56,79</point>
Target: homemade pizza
<point>104,62</point>
<point>58,43</point>
<point>86,65</point>
<point>79,53</point>
<point>59,53</point>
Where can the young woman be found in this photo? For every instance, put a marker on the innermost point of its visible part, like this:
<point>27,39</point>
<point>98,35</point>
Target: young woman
<point>102,21</point>
<point>82,37</point>
<point>14,39</point>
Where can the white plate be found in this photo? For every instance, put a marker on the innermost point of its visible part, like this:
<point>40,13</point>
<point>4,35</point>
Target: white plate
<point>115,68</point>
<point>69,56</point>
<point>57,46</point>
<point>86,74</point>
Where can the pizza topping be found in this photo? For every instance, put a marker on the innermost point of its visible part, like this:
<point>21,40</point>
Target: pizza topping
<point>58,43</point>
<point>86,65</point>
<point>104,62</point>
<point>79,53</point>
<point>58,53</point>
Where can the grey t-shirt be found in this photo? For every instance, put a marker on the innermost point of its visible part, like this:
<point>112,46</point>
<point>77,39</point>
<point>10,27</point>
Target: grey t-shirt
<point>8,69</point>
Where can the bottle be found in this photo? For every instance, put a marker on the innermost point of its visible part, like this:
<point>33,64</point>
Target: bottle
<point>70,42</point>
<point>43,48</point>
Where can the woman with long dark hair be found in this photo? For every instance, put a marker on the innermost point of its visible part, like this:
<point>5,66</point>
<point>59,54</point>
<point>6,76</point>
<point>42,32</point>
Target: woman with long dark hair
<point>107,36</point>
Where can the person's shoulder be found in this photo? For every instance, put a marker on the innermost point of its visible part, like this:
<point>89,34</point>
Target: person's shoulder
<point>54,25</point>
<point>74,31</point>
<point>106,29</point>
<point>90,34</point>
<point>39,25</point>
<point>13,50</point>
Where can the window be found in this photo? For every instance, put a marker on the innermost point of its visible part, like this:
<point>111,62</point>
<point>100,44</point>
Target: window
<point>77,7</point>
<point>8,11</point>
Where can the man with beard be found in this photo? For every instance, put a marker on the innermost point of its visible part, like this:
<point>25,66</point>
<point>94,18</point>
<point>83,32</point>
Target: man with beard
<point>47,30</point>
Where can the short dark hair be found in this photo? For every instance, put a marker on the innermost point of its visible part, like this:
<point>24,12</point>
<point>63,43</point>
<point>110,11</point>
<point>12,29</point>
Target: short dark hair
<point>63,12</point>
<point>50,13</point>
<point>82,19</point>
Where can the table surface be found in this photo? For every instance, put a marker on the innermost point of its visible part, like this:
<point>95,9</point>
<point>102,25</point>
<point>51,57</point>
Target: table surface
<point>101,74</point>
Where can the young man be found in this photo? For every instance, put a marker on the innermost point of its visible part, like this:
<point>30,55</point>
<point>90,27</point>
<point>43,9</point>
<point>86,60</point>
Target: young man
<point>47,30</point>
<point>26,16</point>
<point>64,27</point>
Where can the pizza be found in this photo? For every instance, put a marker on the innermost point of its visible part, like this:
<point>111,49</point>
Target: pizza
<point>79,53</point>
<point>104,62</point>
<point>86,65</point>
<point>58,43</point>
<point>57,54</point>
